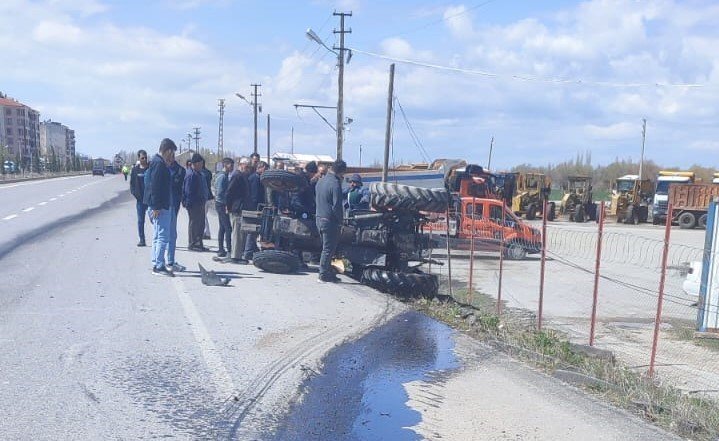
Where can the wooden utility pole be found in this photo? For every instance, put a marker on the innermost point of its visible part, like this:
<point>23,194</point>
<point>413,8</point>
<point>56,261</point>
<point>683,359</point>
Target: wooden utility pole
<point>340,79</point>
<point>268,139</point>
<point>388,128</point>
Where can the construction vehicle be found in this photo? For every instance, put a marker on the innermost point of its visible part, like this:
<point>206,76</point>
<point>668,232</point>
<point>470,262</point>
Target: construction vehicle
<point>715,178</point>
<point>577,204</point>
<point>690,203</point>
<point>382,248</point>
<point>530,192</point>
<point>665,180</point>
<point>630,198</point>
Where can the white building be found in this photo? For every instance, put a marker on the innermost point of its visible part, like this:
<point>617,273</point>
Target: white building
<point>58,138</point>
<point>20,129</point>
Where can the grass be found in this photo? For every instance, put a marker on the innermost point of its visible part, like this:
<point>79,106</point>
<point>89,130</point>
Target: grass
<point>686,333</point>
<point>515,333</point>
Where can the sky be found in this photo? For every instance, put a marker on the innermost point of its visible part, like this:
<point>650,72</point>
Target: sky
<point>547,80</point>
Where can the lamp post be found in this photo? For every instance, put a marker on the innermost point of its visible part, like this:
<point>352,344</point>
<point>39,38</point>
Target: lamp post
<point>256,106</point>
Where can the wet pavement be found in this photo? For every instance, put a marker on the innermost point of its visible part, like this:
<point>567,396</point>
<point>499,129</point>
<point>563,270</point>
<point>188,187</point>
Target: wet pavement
<point>359,395</point>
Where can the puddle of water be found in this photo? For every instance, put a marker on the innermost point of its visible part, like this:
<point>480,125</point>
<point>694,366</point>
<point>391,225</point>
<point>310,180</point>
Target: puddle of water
<point>360,394</point>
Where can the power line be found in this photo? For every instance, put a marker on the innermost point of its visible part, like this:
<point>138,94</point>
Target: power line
<point>523,77</point>
<point>413,135</point>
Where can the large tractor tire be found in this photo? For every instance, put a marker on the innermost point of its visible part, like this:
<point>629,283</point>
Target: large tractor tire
<point>282,180</point>
<point>515,251</point>
<point>579,214</point>
<point>632,216</point>
<point>406,285</point>
<point>277,262</point>
<point>386,196</point>
<point>531,212</point>
<point>702,222</point>
<point>552,213</point>
<point>687,220</point>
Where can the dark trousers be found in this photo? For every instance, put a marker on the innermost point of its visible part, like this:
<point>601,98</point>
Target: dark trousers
<point>330,234</point>
<point>141,213</point>
<point>196,228</point>
<point>224,236</point>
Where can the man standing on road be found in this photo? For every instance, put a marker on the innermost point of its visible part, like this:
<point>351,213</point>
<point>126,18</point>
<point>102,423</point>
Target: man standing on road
<point>225,229</point>
<point>194,198</point>
<point>207,174</point>
<point>256,198</point>
<point>137,189</point>
<point>177,181</point>
<point>157,198</point>
<point>236,199</point>
<point>329,216</point>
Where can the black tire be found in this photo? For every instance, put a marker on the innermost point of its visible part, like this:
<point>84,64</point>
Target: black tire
<point>702,222</point>
<point>632,216</point>
<point>277,262</point>
<point>687,220</point>
<point>515,251</point>
<point>552,214</point>
<point>404,197</point>
<point>531,212</point>
<point>579,214</point>
<point>592,212</point>
<point>406,285</point>
<point>282,180</point>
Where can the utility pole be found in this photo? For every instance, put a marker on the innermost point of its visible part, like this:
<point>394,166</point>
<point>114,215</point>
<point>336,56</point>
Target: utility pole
<point>220,135</point>
<point>641,158</point>
<point>360,149</point>
<point>268,139</point>
<point>340,80</point>
<point>189,141</point>
<point>491,146</point>
<point>388,128</point>
<point>292,140</point>
<point>255,95</point>
<point>197,139</point>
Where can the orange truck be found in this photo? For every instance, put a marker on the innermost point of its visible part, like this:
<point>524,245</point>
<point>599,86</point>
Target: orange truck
<point>690,203</point>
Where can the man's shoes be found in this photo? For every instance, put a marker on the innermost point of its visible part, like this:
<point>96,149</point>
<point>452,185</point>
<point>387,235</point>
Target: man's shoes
<point>141,243</point>
<point>162,271</point>
<point>176,268</point>
<point>240,261</point>
<point>221,253</point>
<point>206,237</point>
<point>329,279</point>
<point>198,249</point>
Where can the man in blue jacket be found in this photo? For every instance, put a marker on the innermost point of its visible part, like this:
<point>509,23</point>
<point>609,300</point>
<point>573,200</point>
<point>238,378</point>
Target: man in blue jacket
<point>157,198</point>
<point>177,181</point>
<point>256,198</point>
<point>329,216</point>
<point>194,197</point>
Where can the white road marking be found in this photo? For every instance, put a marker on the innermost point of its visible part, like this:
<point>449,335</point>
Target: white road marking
<point>12,216</point>
<point>61,195</point>
<point>38,181</point>
<point>28,209</point>
<point>53,199</point>
<point>217,369</point>
<point>42,203</point>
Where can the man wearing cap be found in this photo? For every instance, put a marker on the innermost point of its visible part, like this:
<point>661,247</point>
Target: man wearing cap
<point>194,197</point>
<point>329,216</point>
<point>356,197</point>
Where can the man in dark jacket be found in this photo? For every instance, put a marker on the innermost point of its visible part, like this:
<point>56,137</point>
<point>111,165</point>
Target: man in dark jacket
<point>237,198</point>
<point>157,198</point>
<point>224,233</point>
<point>329,216</point>
<point>207,174</point>
<point>177,181</point>
<point>302,203</point>
<point>137,189</point>
<point>194,198</point>
<point>255,200</point>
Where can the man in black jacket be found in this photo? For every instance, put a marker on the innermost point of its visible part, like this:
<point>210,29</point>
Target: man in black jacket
<point>137,189</point>
<point>236,199</point>
<point>255,199</point>
<point>329,216</point>
<point>157,197</point>
<point>207,174</point>
<point>194,198</point>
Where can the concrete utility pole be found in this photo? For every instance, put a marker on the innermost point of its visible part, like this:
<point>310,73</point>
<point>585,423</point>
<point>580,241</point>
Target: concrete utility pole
<point>255,95</point>
<point>491,146</point>
<point>388,128</point>
<point>340,80</point>
<point>220,135</point>
<point>292,140</point>
<point>268,139</point>
<point>197,139</point>
<point>641,158</point>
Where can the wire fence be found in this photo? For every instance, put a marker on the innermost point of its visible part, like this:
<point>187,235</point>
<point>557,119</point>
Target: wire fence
<point>635,297</point>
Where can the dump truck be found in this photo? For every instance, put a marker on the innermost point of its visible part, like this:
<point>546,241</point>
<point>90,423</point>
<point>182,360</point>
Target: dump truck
<point>630,199</point>
<point>530,192</point>
<point>665,180</point>
<point>577,204</point>
<point>382,248</point>
<point>690,203</point>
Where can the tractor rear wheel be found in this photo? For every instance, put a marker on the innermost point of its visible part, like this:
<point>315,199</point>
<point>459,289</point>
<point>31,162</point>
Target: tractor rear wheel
<point>552,213</point>
<point>282,180</point>
<point>531,212</point>
<point>579,214</point>
<point>398,197</point>
<point>405,285</point>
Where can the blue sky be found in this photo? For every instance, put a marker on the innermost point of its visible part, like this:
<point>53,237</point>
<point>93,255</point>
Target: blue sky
<point>125,74</point>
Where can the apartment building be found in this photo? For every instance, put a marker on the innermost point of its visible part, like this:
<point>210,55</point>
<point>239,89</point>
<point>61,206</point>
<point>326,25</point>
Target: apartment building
<point>20,129</point>
<point>57,137</point>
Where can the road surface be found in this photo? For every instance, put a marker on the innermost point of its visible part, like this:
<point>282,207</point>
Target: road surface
<point>93,346</point>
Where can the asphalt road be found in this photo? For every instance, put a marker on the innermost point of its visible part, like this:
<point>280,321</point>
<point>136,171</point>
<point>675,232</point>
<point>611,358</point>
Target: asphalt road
<point>93,346</point>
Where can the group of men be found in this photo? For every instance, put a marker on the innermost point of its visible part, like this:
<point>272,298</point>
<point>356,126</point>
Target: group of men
<point>161,186</point>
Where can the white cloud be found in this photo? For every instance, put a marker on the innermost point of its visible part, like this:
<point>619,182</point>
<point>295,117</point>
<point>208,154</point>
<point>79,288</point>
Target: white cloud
<point>615,131</point>
<point>51,32</point>
<point>458,21</point>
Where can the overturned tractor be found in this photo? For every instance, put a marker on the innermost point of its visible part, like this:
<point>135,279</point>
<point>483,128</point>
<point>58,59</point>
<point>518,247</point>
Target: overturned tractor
<point>382,248</point>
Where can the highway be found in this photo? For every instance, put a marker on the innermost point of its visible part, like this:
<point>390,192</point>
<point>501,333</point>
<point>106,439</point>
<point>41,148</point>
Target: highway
<point>93,346</point>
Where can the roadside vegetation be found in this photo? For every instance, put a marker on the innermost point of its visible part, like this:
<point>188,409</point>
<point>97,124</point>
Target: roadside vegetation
<point>597,372</point>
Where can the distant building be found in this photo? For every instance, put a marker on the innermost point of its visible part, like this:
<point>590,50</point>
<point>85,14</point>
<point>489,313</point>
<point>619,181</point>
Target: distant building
<point>19,129</point>
<point>58,138</point>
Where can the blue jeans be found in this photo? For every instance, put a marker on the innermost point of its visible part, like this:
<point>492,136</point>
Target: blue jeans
<point>173,236</point>
<point>224,234</point>
<point>330,234</point>
<point>141,213</point>
<point>161,236</point>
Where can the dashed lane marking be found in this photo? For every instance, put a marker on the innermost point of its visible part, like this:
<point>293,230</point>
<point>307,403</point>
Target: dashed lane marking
<point>25,210</point>
<point>53,199</point>
<point>12,216</point>
<point>42,203</point>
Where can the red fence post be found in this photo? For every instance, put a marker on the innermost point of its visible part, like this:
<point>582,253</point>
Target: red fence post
<point>596,274</point>
<point>449,257</point>
<point>544,259</point>
<point>660,299</point>
<point>501,263</point>
<point>470,294</point>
